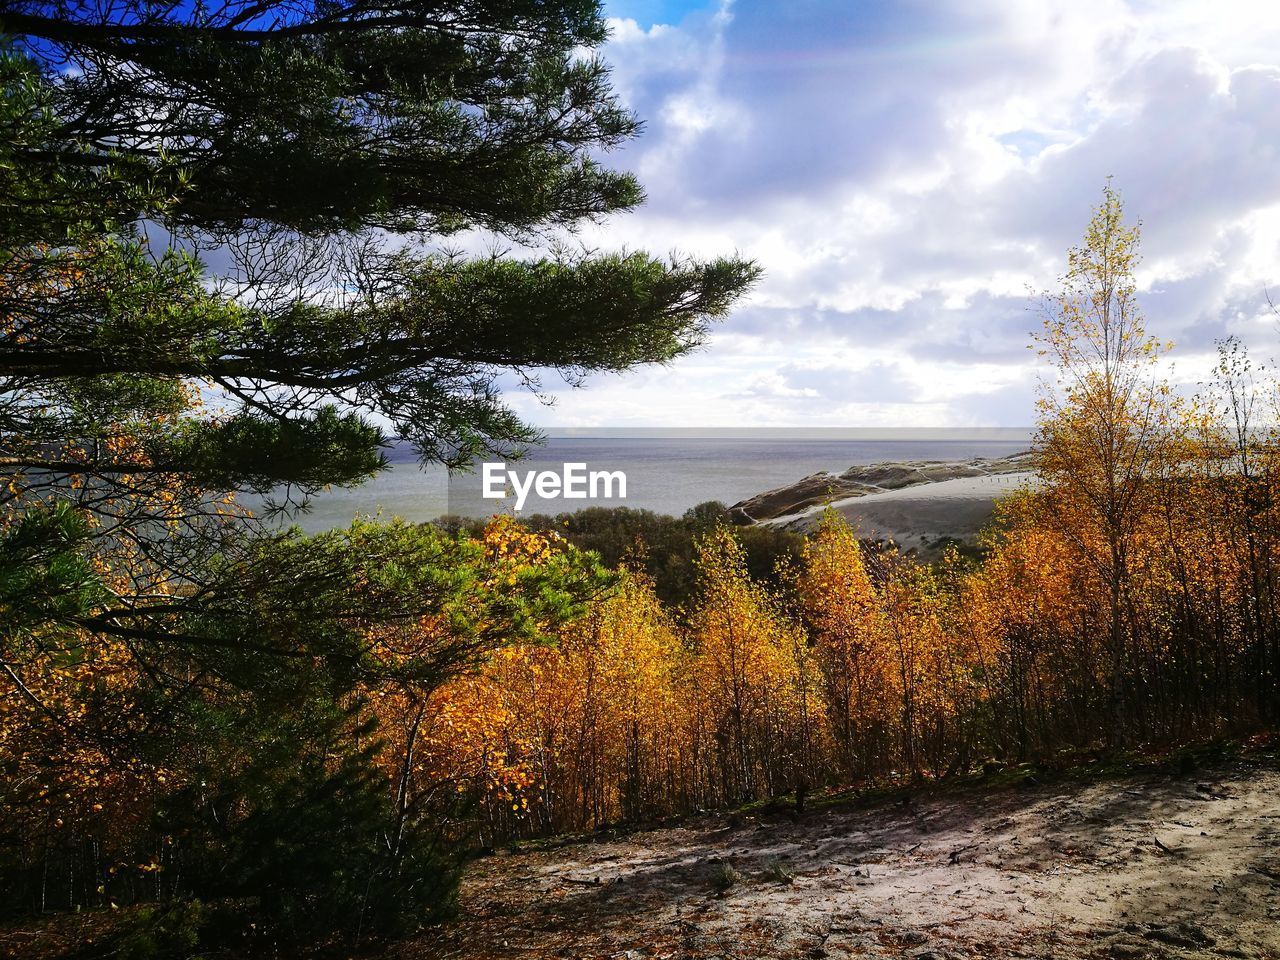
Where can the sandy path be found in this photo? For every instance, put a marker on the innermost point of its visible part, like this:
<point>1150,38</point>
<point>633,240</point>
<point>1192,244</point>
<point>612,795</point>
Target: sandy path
<point>1147,867</point>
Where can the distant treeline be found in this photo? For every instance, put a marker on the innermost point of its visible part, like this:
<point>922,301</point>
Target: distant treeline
<point>663,547</point>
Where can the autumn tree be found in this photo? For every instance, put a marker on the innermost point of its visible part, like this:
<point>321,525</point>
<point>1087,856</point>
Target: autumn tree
<point>1021,615</point>
<point>572,736</point>
<point>753,679</point>
<point>1103,430</point>
<point>843,610</point>
<point>1238,500</point>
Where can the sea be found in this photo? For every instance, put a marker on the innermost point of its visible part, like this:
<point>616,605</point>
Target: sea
<point>667,471</point>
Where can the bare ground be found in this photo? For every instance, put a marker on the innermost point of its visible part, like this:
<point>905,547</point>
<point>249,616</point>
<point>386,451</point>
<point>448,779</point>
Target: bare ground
<point>1148,866</point>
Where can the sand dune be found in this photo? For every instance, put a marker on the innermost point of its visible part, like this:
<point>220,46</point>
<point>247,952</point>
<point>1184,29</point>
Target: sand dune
<point>919,517</point>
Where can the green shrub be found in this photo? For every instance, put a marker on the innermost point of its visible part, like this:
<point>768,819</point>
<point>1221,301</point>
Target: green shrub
<point>159,932</point>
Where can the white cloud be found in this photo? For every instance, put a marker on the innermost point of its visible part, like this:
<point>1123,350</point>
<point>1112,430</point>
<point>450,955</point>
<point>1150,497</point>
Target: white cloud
<point>908,174</point>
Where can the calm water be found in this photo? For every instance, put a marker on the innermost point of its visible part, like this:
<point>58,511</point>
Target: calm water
<point>665,474</point>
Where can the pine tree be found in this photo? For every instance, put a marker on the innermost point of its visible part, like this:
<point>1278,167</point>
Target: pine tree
<point>140,392</point>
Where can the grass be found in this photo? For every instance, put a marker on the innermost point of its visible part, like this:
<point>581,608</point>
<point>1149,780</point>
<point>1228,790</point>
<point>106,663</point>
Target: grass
<point>775,871</point>
<point>723,877</point>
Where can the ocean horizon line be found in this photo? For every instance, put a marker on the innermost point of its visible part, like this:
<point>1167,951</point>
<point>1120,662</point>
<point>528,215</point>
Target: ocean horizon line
<point>932,434</point>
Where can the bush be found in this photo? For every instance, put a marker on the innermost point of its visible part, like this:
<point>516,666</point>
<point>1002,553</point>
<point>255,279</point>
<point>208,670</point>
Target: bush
<point>163,931</point>
<point>663,546</point>
<point>308,835</point>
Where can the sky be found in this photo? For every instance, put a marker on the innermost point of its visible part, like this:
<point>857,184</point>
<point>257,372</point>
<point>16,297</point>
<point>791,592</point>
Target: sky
<point>910,176</point>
